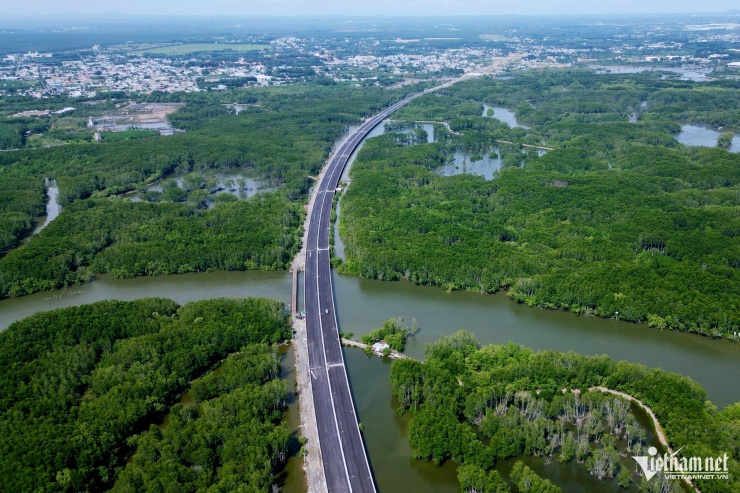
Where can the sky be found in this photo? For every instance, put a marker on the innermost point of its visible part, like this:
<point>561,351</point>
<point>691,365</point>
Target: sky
<point>367,7</point>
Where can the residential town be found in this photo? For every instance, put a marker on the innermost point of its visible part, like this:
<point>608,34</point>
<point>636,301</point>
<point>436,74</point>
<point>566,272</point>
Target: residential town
<point>84,78</point>
<point>182,67</point>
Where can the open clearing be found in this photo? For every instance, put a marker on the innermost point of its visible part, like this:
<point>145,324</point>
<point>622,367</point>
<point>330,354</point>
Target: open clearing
<point>185,49</point>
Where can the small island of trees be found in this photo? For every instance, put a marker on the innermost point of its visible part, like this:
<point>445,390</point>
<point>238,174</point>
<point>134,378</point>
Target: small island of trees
<point>477,406</point>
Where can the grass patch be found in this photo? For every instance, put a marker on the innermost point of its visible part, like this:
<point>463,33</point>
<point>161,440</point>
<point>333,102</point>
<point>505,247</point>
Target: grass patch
<point>70,124</point>
<point>18,84</point>
<point>41,140</point>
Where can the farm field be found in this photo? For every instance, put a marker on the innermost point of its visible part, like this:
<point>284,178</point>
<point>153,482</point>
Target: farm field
<point>185,49</point>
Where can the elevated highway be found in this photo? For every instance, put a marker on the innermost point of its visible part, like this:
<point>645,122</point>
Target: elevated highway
<point>344,458</point>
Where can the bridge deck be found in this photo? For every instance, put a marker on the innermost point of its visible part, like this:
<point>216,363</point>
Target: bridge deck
<point>346,466</point>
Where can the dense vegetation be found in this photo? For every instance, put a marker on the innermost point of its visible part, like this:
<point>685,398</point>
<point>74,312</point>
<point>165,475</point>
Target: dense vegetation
<point>529,482</point>
<point>514,399</point>
<point>227,439</point>
<point>78,384</point>
<point>21,200</point>
<point>128,239</point>
<point>581,96</point>
<point>725,139</point>
<point>618,221</point>
<point>474,479</point>
<point>283,136</point>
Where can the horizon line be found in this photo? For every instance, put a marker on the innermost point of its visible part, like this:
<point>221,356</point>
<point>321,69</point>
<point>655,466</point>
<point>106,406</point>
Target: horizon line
<point>414,15</point>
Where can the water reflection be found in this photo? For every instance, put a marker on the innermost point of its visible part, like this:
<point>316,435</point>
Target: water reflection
<point>292,477</point>
<point>375,132</point>
<point>338,243</point>
<point>428,128</point>
<point>505,115</point>
<point>236,183</point>
<point>363,304</point>
<point>182,288</point>
<point>695,135</point>
<point>386,433</point>
<point>485,165</point>
<point>52,205</point>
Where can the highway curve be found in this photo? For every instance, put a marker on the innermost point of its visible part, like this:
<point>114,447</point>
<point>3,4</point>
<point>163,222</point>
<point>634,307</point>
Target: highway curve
<point>343,453</point>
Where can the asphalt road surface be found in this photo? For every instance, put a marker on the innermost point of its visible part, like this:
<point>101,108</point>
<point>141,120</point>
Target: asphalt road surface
<point>343,453</point>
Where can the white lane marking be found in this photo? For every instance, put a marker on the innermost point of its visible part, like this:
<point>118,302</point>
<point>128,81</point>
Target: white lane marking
<point>314,376</point>
<point>331,397</point>
<point>346,381</point>
<point>354,142</point>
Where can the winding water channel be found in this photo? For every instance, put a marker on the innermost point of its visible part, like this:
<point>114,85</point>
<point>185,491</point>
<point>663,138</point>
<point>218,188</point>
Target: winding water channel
<point>52,206</point>
<point>363,304</point>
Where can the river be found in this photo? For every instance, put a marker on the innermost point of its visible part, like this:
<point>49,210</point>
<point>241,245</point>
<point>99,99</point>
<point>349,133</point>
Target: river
<point>181,288</point>
<point>363,304</point>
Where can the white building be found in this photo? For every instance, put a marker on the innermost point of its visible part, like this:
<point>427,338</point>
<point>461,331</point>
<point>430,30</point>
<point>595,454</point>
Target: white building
<point>379,347</point>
